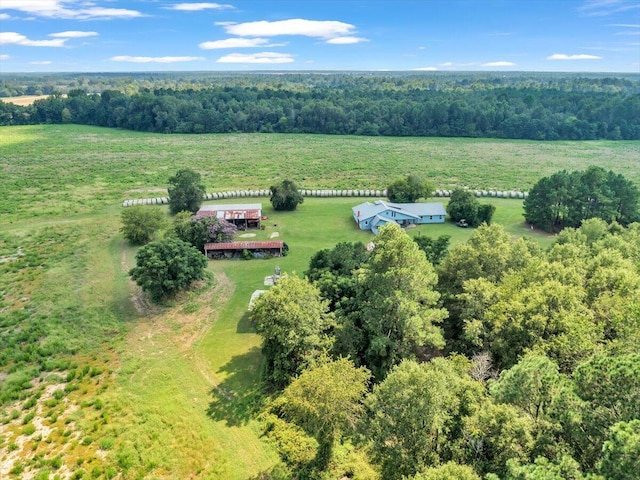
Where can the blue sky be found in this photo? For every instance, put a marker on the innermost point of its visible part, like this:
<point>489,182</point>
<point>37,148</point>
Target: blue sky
<point>247,35</point>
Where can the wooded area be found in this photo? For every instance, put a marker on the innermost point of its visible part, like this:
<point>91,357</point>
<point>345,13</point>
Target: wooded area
<point>517,106</point>
<point>503,361</point>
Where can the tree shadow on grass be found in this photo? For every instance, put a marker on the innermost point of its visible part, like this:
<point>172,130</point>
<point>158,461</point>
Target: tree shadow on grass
<point>245,325</point>
<point>239,397</point>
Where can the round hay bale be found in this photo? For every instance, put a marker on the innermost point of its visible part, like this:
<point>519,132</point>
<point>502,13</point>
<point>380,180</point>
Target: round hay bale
<point>384,192</point>
<point>525,194</point>
<point>438,193</point>
<point>520,195</point>
<point>484,193</point>
<point>492,193</point>
<point>447,193</point>
<point>367,193</point>
<point>477,193</point>
<point>499,194</point>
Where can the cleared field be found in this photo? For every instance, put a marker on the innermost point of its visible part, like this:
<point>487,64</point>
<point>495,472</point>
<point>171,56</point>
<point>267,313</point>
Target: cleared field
<point>62,169</point>
<point>171,391</point>
<point>24,99</point>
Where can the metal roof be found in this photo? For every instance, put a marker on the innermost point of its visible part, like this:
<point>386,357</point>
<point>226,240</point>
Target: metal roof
<point>239,211</point>
<point>243,245</point>
<point>367,209</point>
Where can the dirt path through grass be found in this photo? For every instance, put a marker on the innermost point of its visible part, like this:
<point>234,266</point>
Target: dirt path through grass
<point>172,394</point>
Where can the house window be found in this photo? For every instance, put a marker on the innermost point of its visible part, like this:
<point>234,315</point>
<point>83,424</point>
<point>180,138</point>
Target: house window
<point>430,217</point>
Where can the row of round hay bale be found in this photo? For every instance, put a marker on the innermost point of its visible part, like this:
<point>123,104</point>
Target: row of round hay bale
<point>323,193</point>
<point>342,193</point>
<point>443,193</point>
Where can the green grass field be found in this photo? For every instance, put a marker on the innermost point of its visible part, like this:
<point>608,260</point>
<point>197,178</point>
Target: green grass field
<point>171,391</point>
<point>67,169</point>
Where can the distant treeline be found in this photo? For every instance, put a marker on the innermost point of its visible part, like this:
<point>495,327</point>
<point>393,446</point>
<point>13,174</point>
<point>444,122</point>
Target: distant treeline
<point>538,108</point>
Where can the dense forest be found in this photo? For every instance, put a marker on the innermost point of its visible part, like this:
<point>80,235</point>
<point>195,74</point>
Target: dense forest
<point>502,362</point>
<point>516,106</point>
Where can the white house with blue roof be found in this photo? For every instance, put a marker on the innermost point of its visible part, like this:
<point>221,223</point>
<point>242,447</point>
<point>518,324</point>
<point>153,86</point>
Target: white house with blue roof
<point>372,216</point>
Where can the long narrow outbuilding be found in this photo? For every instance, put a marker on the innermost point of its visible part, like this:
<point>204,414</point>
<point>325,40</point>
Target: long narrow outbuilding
<point>235,249</point>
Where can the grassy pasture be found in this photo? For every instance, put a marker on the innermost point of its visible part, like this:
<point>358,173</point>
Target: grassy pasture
<point>70,169</point>
<point>171,391</point>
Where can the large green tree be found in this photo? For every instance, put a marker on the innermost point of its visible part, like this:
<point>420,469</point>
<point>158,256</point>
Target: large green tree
<point>140,223</point>
<point>326,400</point>
<point>163,268</point>
<point>293,321</point>
<point>397,315</point>
<point>464,205</point>
<point>567,199</point>
<point>185,191</point>
<point>409,189</point>
<point>416,413</point>
<point>285,196</point>
<point>621,451</point>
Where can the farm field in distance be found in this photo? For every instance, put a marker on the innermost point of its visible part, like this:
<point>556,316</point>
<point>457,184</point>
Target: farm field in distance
<point>116,382</point>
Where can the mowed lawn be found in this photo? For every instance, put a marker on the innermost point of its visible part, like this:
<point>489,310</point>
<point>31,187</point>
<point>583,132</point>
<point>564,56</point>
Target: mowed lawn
<point>183,385</point>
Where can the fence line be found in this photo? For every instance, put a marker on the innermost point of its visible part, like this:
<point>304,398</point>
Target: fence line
<point>324,193</point>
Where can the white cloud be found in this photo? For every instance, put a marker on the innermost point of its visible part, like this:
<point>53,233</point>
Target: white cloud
<point>601,8</point>
<point>71,9</point>
<point>45,62</point>
<point>14,38</point>
<point>194,7</point>
<point>73,34</point>
<point>296,26</point>
<point>421,48</point>
<point>498,64</point>
<point>126,58</point>
<point>426,69</point>
<point>4,57</point>
<point>4,16</point>
<point>564,56</point>
<point>239,43</point>
<point>263,58</point>
<point>346,40</point>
